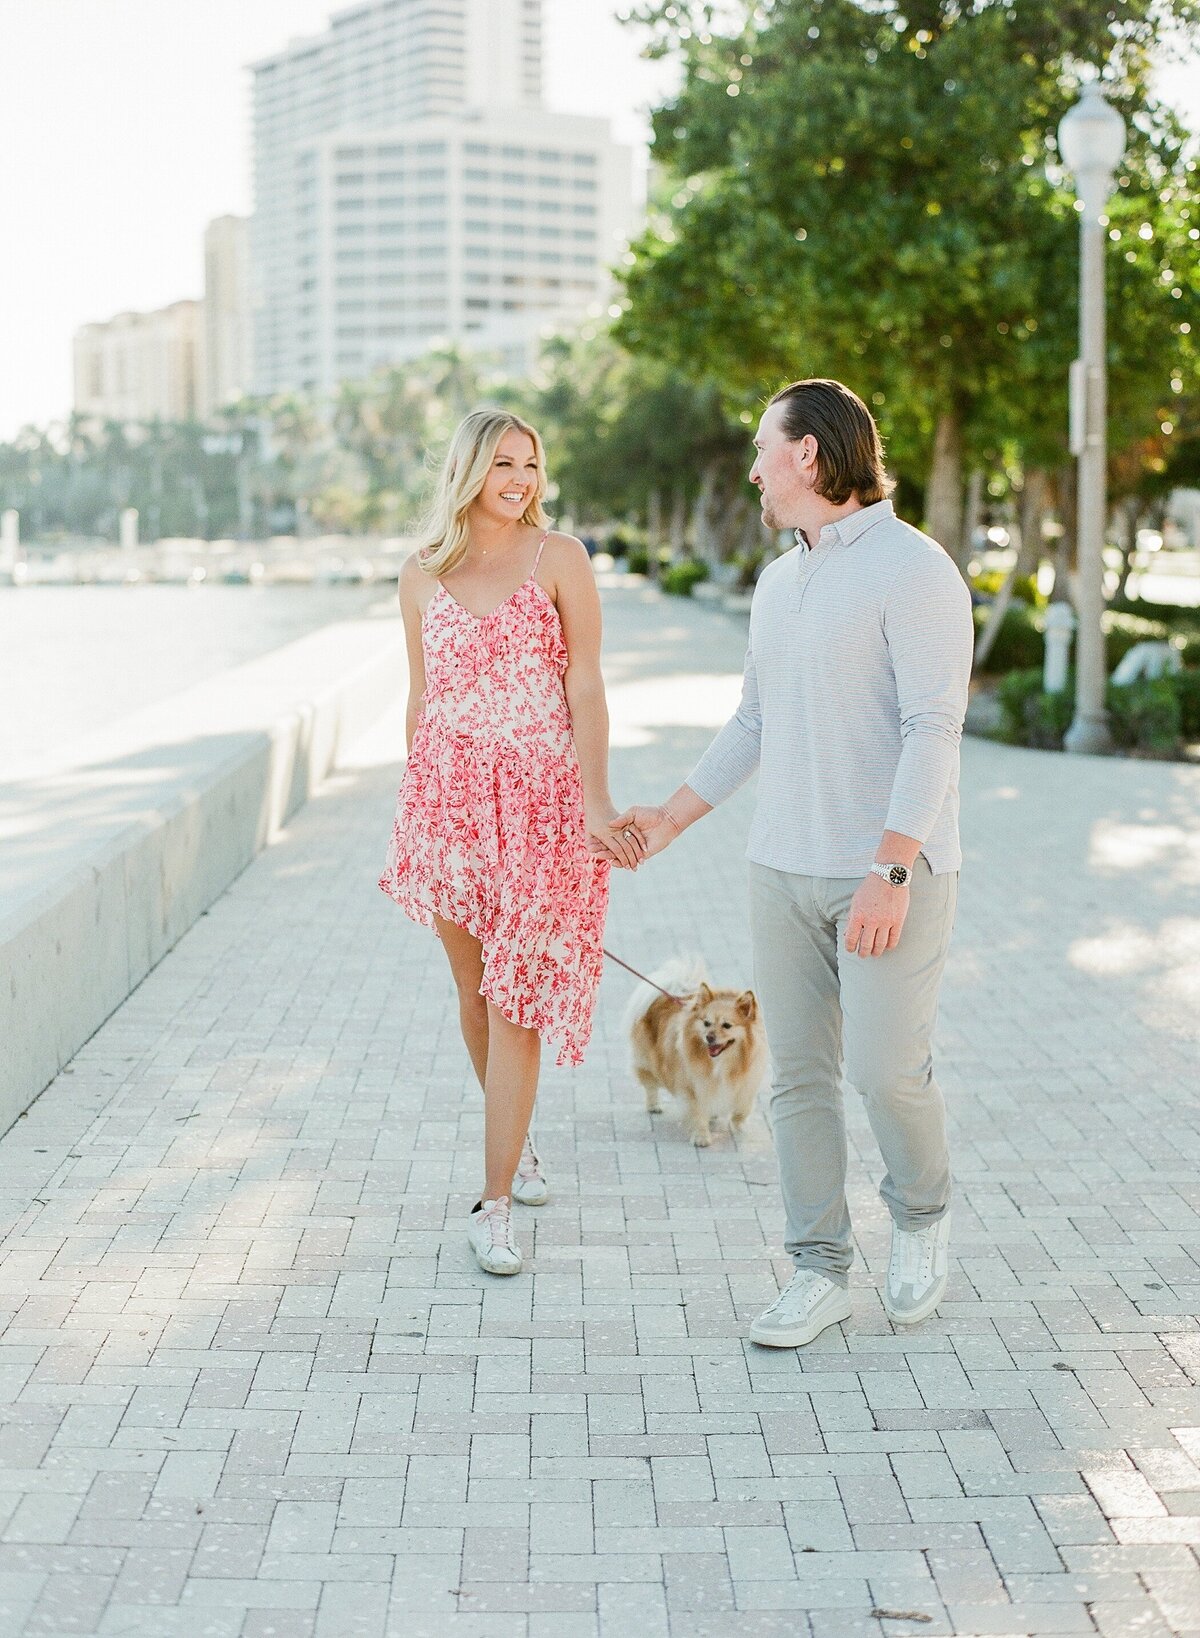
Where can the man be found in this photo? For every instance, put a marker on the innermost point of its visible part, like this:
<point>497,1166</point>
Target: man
<point>852,708</point>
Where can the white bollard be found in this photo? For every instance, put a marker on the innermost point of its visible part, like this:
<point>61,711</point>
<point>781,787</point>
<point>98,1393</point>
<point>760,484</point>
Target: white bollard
<point>129,529</point>
<point>1060,628</point>
<point>10,538</point>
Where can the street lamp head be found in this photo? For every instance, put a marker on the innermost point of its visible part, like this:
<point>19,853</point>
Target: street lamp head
<point>1091,140</point>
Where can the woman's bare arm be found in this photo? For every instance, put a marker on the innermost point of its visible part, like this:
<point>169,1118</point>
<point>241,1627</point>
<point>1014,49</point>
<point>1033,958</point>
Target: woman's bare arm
<point>578,602</point>
<point>415,590</point>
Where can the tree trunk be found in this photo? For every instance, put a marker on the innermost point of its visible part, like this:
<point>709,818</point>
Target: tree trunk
<point>705,542</point>
<point>677,532</point>
<point>654,520</point>
<point>1067,545</point>
<point>1029,556</point>
<point>974,517</point>
<point>944,495</point>
<point>1132,513</point>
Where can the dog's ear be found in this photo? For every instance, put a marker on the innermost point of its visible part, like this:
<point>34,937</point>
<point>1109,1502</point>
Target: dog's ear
<point>747,1006</point>
<point>704,995</point>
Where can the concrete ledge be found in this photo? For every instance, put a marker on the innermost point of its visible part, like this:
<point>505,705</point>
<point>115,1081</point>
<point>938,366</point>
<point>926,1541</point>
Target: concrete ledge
<point>110,850</point>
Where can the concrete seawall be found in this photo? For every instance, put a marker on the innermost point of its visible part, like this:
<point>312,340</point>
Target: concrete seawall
<point>112,849</point>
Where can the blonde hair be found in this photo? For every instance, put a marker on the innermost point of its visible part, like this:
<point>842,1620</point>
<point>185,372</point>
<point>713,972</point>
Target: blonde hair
<point>443,535</point>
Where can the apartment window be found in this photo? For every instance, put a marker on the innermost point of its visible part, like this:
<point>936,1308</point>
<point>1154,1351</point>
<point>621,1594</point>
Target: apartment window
<point>584,184</point>
<point>583,159</point>
<point>476,148</point>
<point>513,153</point>
<point>513,179</point>
<point>549,156</point>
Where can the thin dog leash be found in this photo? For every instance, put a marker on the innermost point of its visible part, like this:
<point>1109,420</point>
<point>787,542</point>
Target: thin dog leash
<point>677,1000</point>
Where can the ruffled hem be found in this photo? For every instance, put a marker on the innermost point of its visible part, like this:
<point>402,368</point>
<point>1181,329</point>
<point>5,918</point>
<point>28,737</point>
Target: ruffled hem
<point>493,839</point>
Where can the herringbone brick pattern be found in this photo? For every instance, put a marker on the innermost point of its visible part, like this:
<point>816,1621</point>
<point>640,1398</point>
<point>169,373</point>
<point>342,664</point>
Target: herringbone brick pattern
<point>255,1387</point>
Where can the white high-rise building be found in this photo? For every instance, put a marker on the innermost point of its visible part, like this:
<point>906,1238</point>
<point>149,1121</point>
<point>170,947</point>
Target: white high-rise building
<point>226,362</point>
<point>410,188</point>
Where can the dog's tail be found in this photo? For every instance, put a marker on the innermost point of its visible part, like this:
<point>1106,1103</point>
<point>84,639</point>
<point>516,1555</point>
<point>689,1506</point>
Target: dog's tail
<point>682,976</point>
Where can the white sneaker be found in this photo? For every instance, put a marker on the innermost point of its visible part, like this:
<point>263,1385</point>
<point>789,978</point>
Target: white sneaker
<point>529,1186</point>
<point>801,1311</point>
<point>917,1271</point>
<point>490,1232</point>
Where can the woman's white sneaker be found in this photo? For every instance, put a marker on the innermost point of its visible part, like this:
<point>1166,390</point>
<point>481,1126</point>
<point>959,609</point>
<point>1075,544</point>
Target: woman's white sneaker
<point>529,1186</point>
<point>917,1272</point>
<point>490,1232</point>
<point>801,1311</point>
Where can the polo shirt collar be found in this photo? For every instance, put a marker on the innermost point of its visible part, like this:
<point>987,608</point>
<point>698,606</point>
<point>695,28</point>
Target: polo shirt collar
<point>848,529</point>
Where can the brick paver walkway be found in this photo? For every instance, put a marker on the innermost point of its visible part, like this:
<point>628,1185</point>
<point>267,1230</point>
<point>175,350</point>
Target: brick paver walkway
<point>255,1387</point>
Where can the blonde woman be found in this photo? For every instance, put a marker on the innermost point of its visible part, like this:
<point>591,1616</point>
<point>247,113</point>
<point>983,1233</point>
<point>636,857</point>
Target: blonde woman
<point>503,838</point>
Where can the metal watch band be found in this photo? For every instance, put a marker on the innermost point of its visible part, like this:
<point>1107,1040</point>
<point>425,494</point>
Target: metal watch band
<point>896,875</point>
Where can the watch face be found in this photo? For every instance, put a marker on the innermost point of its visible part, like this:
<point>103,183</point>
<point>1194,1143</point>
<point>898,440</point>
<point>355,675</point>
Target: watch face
<point>897,875</point>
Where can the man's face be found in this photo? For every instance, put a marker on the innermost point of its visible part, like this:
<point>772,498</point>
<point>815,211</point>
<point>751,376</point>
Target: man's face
<point>783,471</point>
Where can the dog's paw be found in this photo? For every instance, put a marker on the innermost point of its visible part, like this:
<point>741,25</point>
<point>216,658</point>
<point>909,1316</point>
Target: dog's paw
<point>701,1139</point>
<point>654,1108</point>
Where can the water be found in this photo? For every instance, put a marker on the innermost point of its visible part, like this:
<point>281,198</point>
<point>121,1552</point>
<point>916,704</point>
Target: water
<point>73,658</point>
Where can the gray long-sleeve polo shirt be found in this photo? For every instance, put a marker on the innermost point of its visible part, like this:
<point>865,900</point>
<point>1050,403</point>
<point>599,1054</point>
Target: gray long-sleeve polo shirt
<point>853,701</point>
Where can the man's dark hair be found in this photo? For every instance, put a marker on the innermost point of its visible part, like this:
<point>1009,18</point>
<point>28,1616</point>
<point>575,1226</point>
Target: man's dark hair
<point>849,449</point>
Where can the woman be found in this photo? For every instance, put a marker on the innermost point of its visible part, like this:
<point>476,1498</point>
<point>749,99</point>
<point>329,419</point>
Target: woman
<point>502,840</point>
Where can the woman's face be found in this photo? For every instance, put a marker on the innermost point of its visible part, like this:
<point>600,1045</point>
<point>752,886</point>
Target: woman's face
<point>512,480</point>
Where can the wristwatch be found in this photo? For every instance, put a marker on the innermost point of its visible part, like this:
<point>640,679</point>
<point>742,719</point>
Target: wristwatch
<point>896,875</point>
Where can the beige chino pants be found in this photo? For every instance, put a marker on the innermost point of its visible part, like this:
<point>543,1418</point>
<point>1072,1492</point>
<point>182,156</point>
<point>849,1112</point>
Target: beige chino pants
<point>827,1011</point>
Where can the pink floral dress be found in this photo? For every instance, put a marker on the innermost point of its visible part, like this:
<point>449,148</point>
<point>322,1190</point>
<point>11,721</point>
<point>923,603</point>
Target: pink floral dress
<point>489,831</point>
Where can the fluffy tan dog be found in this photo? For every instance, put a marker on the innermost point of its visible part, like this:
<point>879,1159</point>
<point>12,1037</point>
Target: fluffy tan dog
<point>711,1051</point>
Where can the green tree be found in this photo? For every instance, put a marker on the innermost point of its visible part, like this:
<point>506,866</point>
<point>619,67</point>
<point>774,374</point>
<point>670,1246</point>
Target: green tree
<point>873,193</point>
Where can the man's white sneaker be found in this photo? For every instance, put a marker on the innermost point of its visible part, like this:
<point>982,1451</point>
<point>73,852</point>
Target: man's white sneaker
<point>801,1311</point>
<point>529,1187</point>
<point>917,1271</point>
<point>490,1232</point>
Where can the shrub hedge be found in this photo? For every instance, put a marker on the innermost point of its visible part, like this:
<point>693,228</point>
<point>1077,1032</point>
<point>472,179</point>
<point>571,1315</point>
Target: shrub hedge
<point>1021,642</point>
<point>679,578</point>
<point>1152,718</point>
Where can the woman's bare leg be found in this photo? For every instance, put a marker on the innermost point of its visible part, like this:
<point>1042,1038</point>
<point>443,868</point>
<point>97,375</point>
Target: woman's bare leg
<point>465,955</point>
<point>509,1091</point>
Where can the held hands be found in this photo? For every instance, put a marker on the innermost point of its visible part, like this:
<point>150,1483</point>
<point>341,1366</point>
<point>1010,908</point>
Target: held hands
<point>654,827</point>
<point>877,913</point>
<point>612,838</point>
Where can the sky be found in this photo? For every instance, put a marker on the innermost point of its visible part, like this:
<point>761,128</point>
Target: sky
<point>124,128</point>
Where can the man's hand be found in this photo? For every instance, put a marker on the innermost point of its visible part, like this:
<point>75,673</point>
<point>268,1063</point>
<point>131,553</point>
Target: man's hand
<point>609,837</point>
<point>877,913</point>
<point>652,825</point>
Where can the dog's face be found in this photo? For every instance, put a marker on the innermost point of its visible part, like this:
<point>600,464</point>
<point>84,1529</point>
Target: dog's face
<point>719,1020</point>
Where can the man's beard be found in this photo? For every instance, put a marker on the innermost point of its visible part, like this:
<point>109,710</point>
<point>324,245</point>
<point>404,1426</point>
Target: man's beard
<point>769,516</point>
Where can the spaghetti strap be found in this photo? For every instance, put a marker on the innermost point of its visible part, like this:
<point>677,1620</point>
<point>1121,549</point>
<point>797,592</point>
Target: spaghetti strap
<point>540,550</point>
